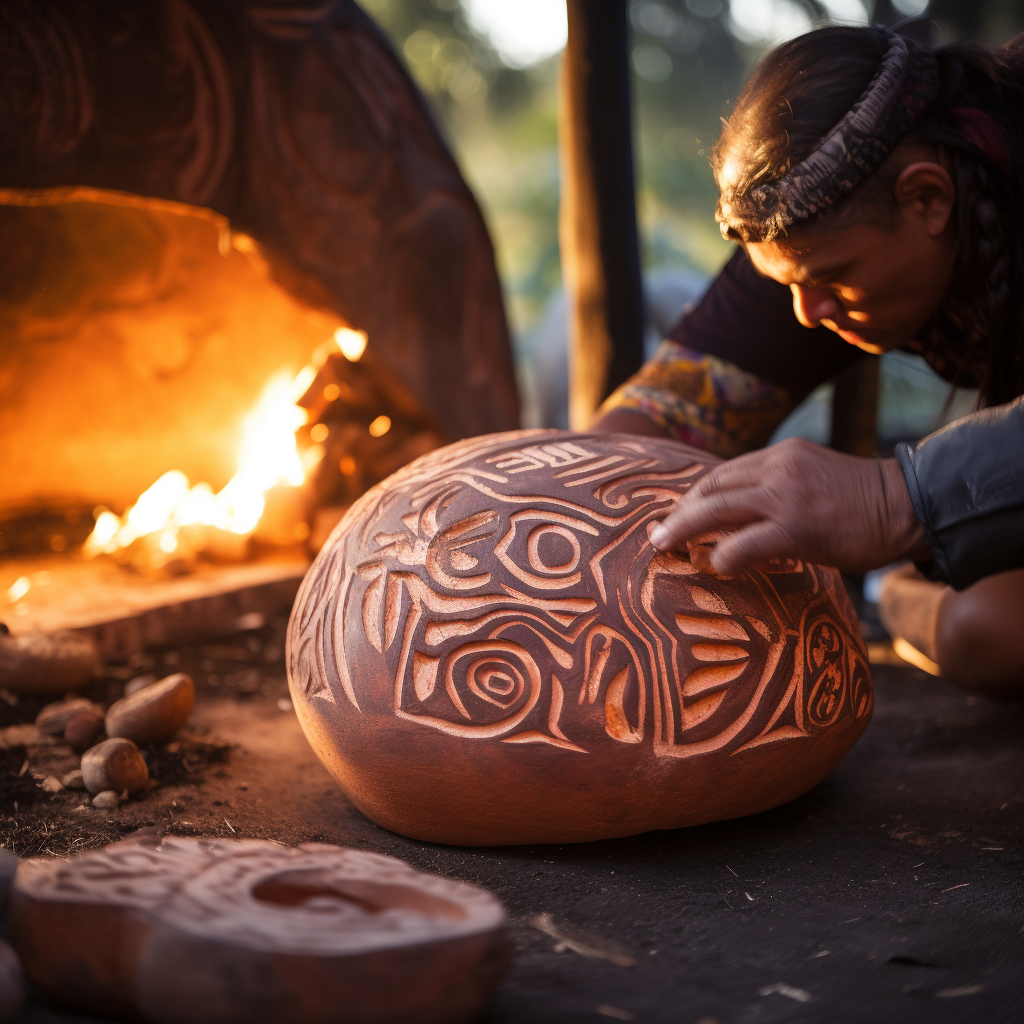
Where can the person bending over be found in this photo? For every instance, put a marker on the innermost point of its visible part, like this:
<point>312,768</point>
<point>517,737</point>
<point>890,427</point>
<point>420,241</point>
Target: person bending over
<point>874,188</point>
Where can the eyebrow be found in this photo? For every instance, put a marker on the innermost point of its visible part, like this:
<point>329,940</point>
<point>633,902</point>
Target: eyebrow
<point>822,276</point>
<point>819,276</point>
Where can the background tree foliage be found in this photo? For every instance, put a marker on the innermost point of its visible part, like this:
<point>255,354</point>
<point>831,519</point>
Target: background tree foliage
<point>689,58</point>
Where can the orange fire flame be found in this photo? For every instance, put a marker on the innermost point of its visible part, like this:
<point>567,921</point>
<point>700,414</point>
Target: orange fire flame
<point>269,458</point>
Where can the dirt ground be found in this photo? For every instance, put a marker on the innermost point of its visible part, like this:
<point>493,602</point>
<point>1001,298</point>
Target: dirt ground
<point>893,891</point>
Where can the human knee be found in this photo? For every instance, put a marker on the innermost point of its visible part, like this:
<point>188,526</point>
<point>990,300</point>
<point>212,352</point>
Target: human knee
<point>979,638</point>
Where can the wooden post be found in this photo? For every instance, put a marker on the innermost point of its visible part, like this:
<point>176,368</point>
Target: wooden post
<point>597,222</point>
<point>855,408</point>
<point>855,431</point>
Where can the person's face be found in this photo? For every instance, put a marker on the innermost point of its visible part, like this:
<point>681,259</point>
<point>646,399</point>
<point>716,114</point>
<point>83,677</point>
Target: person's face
<point>876,286</point>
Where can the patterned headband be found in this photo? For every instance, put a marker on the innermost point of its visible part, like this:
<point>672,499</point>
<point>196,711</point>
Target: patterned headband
<point>903,89</point>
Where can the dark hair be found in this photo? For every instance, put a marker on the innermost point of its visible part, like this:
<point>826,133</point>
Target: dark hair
<point>804,87</point>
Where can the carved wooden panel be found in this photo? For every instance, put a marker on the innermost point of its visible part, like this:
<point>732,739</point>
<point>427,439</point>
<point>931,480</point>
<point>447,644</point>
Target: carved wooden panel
<point>297,122</point>
<point>489,650</point>
<point>220,930</point>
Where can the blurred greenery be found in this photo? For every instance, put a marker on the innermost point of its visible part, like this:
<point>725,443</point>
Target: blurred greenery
<point>689,59</point>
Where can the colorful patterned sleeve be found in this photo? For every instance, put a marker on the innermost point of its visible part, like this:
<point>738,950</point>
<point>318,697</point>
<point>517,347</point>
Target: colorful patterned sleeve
<point>703,401</point>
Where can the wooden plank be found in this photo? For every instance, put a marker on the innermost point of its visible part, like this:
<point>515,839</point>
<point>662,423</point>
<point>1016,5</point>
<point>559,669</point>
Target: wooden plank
<point>855,409</point>
<point>597,223</point>
<point>126,613</point>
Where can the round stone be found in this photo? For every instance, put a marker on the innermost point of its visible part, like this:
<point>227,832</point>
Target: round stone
<point>82,730</point>
<point>155,713</point>
<point>490,651</point>
<point>114,764</point>
<point>54,718</point>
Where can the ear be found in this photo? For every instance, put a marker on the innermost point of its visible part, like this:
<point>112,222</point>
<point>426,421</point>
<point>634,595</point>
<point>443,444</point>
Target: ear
<point>924,190</point>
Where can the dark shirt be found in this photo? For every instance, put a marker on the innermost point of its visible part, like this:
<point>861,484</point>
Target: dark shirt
<point>748,320</point>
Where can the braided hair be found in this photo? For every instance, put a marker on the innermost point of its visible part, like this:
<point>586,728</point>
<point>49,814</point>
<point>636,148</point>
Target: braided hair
<point>821,131</point>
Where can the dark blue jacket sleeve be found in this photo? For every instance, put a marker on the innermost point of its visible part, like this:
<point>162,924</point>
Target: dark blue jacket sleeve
<point>967,485</point>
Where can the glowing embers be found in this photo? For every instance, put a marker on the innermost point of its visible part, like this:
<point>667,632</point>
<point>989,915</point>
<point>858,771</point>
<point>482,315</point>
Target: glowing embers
<point>173,523</point>
<point>352,344</point>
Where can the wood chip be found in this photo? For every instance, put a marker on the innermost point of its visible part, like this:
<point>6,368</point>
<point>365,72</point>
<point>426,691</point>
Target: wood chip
<point>614,1012</point>
<point>589,946</point>
<point>789,991</point>
<point>962,990</point>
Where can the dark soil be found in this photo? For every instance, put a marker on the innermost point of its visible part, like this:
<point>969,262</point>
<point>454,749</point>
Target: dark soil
<point>892,892</point>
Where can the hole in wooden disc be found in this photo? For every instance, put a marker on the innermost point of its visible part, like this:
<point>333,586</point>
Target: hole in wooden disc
<point>312,890</point>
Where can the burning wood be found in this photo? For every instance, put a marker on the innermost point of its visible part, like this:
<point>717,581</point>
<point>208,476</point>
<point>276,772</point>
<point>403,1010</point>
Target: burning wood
<point>172,523</point>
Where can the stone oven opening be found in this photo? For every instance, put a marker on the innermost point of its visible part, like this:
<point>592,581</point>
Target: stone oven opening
<point>242,281</point>
<point>169,400</point>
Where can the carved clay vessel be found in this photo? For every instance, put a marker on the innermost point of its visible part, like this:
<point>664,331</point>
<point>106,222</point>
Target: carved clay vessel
<point>230,931</point>
<point>489,650</point>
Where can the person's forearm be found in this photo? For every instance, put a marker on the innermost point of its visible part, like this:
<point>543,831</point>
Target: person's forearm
<point>699,400</point>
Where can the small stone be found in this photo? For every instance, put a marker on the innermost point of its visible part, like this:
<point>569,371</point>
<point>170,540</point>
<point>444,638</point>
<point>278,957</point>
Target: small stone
<point>114,764</point>
<point>12,984</point>
<point>54,718</point>
<point>82,730</point>
<point>47,663</point>
<point>107,799</point>
<point>73,780</point>
<point>51,784</point>
<point>155,714</point>
<point>139,683</point>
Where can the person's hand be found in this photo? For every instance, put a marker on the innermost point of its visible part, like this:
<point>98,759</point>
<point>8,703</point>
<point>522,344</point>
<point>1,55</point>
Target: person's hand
<point>798,500</point>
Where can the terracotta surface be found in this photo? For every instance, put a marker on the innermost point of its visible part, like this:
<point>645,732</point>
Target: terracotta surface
<point>182,930</point>
<point>489,651</point>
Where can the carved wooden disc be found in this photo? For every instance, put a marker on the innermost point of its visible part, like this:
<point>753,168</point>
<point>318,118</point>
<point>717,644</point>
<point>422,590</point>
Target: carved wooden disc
<point>488,650</point>
<point>187,931</point>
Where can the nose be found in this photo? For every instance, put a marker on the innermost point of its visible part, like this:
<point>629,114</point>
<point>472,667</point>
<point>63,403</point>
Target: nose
<point>812,305</point>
